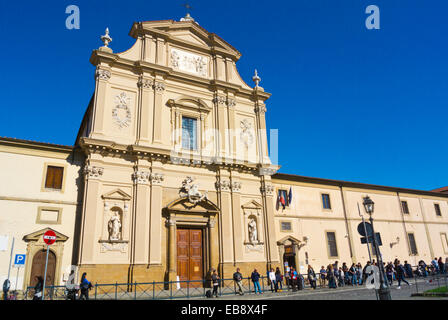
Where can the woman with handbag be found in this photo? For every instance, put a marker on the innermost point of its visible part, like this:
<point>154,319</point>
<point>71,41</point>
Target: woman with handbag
<point>312,277</point>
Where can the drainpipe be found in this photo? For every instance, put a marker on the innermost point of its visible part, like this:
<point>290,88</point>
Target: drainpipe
<point>347,227</point>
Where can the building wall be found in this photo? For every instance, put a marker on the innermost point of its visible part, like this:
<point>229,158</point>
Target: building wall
<point>22,196</point>
<point>310,220</point>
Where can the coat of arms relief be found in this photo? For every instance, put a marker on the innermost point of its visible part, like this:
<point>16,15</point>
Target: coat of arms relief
<point>191,191</point>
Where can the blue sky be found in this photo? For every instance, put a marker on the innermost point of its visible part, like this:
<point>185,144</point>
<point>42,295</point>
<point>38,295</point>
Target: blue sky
<point>350,103</point>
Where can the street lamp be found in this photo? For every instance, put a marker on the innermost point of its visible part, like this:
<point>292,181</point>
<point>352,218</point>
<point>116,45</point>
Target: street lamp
<point>383,291</point>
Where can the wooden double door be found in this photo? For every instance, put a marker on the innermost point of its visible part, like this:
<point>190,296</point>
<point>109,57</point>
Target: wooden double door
<point>190,256</point>
<point>38,267</point>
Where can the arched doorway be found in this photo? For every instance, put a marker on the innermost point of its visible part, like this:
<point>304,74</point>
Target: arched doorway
<point>38,267</point>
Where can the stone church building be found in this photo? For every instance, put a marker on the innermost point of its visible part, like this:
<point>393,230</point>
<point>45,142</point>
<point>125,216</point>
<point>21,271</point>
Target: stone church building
<point>170,176</point>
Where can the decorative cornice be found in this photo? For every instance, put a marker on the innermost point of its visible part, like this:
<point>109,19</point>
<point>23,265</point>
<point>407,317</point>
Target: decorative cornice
<point>92,172</point>
<point>102,74</point>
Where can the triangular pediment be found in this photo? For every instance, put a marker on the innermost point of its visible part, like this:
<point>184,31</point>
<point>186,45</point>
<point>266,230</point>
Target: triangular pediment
<point>288,240</point>
<point>252,205</point>
<point>117,194</point>
<point>187,32</point>
<point>184,205</point>
<point>38,235</point>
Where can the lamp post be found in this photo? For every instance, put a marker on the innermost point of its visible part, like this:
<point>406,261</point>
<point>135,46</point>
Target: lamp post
<point>384,290</point>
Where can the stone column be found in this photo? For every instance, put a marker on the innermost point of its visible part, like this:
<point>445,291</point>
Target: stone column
<point>281,253</point>
<point>213,244</point>
<point>145,107</point>
<point>172,261</point>
<point>159,88</point>
<point>102,77</point>
<point>155,224</point>
<point>296,256</point>
<point>92,175</point>
<point>141,216</point>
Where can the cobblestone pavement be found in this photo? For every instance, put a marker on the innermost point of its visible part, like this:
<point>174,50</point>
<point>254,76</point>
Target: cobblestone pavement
<point>344,293</point>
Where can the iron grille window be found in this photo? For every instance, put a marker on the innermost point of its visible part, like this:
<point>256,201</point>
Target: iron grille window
<point>326,201</point>
<point>189,133</point>
<point>332,247</point>
<point>404,205</point>
<point>412,243</point>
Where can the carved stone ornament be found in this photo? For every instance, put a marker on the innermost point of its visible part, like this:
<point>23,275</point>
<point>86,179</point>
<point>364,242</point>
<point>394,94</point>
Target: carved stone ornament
<point>191,190</point>
<point>268,189</point>
<point>102,74</point>
<point>93,172</point>
<point>121,113</point>
<point>254,247</point>
<point>159,87</point>
<point>114,227</point>
<point>145,83</point>
<point>220,100</point>
<point>223,185</point>
<point>231,102</point>
<point>246,135</point>
<point>140,177</point>
<point>261,108</point>
<point>120,246</point>
<point>236,186</point>
<point>189,62</point>
<point>157,178</point>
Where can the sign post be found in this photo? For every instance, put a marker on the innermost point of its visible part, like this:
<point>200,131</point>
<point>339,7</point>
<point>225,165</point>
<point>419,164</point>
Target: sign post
<point>19,262</point>
<point>49,239</point>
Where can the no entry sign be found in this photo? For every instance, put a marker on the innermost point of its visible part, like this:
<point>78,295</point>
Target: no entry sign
<point>49,237</point>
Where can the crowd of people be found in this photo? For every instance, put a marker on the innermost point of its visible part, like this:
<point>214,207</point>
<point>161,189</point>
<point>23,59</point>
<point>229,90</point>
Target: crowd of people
<point>335,275</point>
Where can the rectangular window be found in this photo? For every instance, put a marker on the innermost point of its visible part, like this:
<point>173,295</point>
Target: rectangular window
<point>54,177</point>
<point>444,242</point>
<point>326,201</point>
<point>437,207</point>
<point>332,247</point>
<point>404,205</point>
<point>286,226</point>
<point>189,133</point>
<point>412,244</point>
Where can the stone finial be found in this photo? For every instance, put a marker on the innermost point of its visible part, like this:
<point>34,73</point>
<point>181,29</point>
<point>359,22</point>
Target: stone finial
<point>256,78</point>
<point>187,18</point>
<point>106,40</point>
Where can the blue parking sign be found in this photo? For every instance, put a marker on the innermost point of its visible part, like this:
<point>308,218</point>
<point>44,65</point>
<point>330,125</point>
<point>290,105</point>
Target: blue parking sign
<point>19,261</point>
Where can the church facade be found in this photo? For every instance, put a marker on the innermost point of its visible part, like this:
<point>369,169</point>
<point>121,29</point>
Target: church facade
<point>170,177</point>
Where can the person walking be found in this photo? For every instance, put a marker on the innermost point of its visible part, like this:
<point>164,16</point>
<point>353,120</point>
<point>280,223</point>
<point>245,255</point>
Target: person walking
<point>85,286</point>
<point>238,278</point>
<point>441,265</point>
<point>312,277</point>
<point>6,286</point>
<point>400,275</point>
<point>38,288</point>
<point>359,273</point>
<point>273,280</point>
<point>255,277</point>
<point>215,282</point>
<point>278,279</point>
<point>408,269</point>
<point>288,277</point>
<point>341,281</point>
<point>323,276</point>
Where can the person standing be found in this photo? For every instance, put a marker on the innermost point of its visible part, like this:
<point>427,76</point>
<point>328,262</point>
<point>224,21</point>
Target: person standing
<point>255,277</point>
<point>359,273</point>
<point>273,280</point>
<point>215,282</point>
<point>323,276</point>
<point>294,278</point>
<point>312,277</point>
<point>341,281</point>
<point>441,265</point>
<point>6,286</point>
<point>85,286</point>
<point>278,279</point>
<point>390,273</point>
<point>408,269</point>
<point>238,278</point>
<point>330,276</point>
<point>38,288</point>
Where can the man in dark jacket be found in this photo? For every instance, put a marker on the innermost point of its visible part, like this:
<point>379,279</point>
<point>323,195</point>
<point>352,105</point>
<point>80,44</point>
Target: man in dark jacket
<point>238,278</point>
<point>255,277</point>
<point>408,269</point>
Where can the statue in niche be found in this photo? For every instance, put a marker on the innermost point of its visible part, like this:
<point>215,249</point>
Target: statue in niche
<point>253,237</point>
<point>114,227</point>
